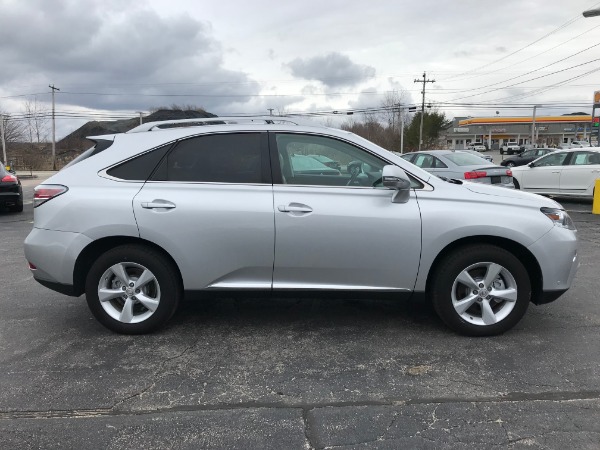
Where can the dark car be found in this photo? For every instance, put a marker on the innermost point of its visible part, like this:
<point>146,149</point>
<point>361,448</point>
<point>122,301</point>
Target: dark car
<point>11,193</point>
<point>526,157</point>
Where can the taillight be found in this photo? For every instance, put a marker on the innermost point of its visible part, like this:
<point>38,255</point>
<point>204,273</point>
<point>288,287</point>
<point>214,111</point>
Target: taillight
<point>43,193</point>
<point>509,173</point>
<point>9,179</point>
<point>475,174</point>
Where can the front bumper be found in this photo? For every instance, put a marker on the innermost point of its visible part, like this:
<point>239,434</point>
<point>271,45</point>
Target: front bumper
<point>556,253</point>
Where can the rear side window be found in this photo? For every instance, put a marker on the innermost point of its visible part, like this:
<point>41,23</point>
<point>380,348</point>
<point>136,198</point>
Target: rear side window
<point>217,158</point>
<point>139,168</point>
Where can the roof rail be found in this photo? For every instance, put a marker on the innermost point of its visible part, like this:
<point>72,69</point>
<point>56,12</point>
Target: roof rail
<point>181,123</point>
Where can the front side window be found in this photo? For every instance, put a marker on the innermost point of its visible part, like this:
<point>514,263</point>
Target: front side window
<point>324,161</point>
<point>217,158</point>
<point>554,159</point>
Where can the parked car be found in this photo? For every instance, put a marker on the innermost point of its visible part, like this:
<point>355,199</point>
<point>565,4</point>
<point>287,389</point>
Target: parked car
<point>11,192</point>
<point>528,147</point>
<point>478,147</point>
<point>567,173</point>
<point>579,144</point>
<point>327,161</point>
<point>481,155</point>
<point>148,216</point>
<point>461,165</point>
<point>510,149</point>
<point>526,157</point>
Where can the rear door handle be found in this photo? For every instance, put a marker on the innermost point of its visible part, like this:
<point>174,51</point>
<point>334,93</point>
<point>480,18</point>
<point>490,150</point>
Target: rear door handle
<point>298,208</point>
<point>154,204</point>
<point>558,171</point>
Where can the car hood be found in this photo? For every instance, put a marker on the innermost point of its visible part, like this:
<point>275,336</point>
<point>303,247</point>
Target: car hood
<point>497,191</point>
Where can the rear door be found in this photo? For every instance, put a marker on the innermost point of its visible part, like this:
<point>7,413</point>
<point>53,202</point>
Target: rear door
<point>578,176</point>
<point>209,204</point>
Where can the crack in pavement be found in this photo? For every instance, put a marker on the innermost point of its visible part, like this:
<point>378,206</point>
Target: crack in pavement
<point>514,397</point>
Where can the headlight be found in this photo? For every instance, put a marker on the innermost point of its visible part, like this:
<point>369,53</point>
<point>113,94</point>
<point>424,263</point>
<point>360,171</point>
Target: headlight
<point>559,217</point>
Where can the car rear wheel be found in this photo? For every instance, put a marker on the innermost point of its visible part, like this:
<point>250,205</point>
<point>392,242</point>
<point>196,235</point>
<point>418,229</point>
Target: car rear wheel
<point>480,290</point>
<point>132,289</point>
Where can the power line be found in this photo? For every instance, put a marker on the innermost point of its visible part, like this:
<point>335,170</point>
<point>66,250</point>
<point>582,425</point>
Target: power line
<point>526,81</point>
<point>564,25</point>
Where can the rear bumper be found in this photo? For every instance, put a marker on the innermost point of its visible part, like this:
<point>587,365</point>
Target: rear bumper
<point>10,198</point>
<point>65,289</point>
<point>54,254</point>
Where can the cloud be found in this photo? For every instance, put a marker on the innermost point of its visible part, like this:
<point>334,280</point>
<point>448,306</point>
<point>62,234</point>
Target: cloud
<point>333,70</point>
<point>117,55</point>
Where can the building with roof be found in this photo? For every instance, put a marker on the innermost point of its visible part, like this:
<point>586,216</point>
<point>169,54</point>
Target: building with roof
<point>497,131</point>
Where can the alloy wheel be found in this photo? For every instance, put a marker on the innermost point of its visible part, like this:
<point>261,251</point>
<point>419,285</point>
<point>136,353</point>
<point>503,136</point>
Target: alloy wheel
<point>129,292</point>
<point>484,293</point>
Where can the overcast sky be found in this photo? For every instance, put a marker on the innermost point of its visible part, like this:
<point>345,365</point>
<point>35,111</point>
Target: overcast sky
<point>243,57</point>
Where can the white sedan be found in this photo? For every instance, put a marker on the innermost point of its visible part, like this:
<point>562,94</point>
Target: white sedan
<point>569,173</point>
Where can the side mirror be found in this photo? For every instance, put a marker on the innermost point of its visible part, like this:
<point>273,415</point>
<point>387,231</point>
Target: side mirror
<point>394,177</point>
<point>532,165</point>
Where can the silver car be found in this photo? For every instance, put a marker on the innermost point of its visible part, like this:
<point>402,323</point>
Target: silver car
<point>166,210</point>
<point>460,165</point>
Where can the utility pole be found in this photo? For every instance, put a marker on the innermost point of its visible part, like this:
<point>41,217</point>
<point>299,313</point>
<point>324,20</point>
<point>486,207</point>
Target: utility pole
<point>3,139</point>
<point>533,126</point>
<point>53,128</point>
<point>424,81</point>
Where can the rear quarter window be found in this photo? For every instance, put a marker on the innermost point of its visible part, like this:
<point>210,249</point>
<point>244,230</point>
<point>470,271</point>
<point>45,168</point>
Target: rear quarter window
<point>140,167</point>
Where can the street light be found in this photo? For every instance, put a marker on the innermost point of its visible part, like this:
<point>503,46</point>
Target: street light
<point>591,13</point>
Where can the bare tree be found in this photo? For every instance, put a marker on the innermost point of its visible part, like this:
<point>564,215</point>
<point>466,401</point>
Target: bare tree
<point>36,125</point>
<point>14,129</point>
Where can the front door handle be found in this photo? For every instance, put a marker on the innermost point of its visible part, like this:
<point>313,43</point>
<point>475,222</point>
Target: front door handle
<point>154,204</point>
<point>557,171</point>
<point>297,208</point>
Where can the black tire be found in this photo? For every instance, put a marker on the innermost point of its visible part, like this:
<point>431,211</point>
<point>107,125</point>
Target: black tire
<point>165,285</point>
<point>516,183</point>
<point>513,275</point>
<point>510,164</point>
<point>502,151</point>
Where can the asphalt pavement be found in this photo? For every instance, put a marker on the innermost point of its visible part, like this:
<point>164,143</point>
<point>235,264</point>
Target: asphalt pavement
<point>296,373</point>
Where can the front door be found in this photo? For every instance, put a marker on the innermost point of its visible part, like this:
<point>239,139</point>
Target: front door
<point>544,176</point>
<point>338,229</point>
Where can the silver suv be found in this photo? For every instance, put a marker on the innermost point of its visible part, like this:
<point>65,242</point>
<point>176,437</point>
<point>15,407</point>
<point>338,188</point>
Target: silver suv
<point>174,208</point>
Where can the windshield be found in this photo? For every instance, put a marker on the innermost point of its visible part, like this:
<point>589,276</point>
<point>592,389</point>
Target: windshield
<point>465,159</point>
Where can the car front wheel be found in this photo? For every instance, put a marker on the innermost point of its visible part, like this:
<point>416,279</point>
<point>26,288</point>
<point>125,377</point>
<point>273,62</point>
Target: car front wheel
<point>480,290</point>
<point>132,289</point>
<point>510,164</point>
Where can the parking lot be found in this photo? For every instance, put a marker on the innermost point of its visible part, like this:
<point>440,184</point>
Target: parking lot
<point>296,373</point>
